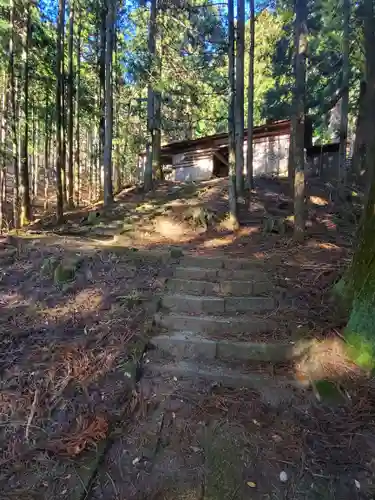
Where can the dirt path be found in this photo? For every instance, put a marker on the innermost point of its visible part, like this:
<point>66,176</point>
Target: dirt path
<point>98,403</point>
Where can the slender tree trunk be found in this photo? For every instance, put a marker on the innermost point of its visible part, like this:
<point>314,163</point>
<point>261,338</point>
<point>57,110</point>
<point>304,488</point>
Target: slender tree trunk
<point>32,156</point>
<point>91,164</point>
<point>3,169</point>
<point>102,53</point>
<point>300,84</point>
<point>345,95</point>
<point>78,133</point>
<point>36,160</point>
<point>359,142</point>
<point>239,103</point>
<point>16,152</point>
<point>157,168</point>
<point>108,186</point>
<point>63,114</point>
<point>250,100</point>
<point>117,168</point>
<point>46,149</point>
<point>70,177</point>
<point>24,173</point>
<point>59,112</point>
<point>13,101</point>
<point>148,177</point>
<point>232,195</point>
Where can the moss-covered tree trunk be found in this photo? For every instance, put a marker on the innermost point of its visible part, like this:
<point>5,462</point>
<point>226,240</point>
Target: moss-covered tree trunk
<point>357,287</point>
<point>358,290</point>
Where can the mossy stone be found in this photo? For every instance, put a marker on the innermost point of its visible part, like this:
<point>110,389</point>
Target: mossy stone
<point>64,274</point>
<point>48,266</point>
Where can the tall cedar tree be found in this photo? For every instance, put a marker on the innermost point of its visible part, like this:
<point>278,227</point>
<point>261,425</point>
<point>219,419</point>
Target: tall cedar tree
<point>148,174</point>
<point>59,111</point>
<point>345,92</point>
<point>24,171</point>
<point>70,177</point>
<point>239,102</point>
<point>357,287</point>
<point>250,102</point>
<point>299,102</point>
<point>233,215</point>
<point>107,156</point>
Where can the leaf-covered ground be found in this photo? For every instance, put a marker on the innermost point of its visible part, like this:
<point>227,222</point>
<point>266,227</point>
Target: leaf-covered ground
<point>70,341</point>
<point>76,306</point>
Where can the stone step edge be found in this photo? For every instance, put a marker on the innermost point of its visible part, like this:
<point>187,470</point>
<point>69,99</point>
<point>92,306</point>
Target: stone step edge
<point>256,272</point>
<point>220,262</point>
<point>183,345</point>
<point>219,281</point>
<point>210,324</point>
<point>234,378</point>
<point>217,305</point>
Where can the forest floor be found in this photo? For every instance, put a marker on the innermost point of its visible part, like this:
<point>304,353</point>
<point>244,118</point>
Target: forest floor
<point>78,418</point>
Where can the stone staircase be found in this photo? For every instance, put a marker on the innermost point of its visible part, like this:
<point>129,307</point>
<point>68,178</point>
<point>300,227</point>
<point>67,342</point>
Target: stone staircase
<point>217,321</point>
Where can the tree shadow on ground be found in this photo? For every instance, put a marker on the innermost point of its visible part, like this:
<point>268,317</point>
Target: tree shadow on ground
<point>69,347</point>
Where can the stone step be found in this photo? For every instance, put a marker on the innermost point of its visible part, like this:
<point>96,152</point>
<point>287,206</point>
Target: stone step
<point>208,325</point>
<point>206,262</point>
<point>188,345</point>
<point>217,305</point>
<point>216,275</point>
<point>223,288</point>
<point>274,389</point>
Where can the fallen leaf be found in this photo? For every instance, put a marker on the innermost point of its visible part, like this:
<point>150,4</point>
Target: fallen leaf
<point>251,484</point>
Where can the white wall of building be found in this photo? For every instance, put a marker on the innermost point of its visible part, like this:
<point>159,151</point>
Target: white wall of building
<point>270,158</point>
<point>270,155</point>
<point>193,166</point>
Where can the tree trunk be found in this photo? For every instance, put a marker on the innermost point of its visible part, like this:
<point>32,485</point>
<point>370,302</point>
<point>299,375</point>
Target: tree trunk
<point>232,195</point>
<point>3,169</point>
<point>345,95</point>
<point>36,161</point>
<point>24,173</point>
<point>102,53</point>
<point>63,114</point>
<point>300,84</point>
<point>250,101</point>
<point>359,142</point>
<point>117,181</point>
<point>13,103</point>
<point>239,102</point>
<point>32,156</point>
<point>156,145</point>
<point>70,177</point>
<point>148,177</point>
<point>108,187</point>
<point>47,135</point>
<point>59,111</point>
<point>78,133</point>
<point>357,287</point>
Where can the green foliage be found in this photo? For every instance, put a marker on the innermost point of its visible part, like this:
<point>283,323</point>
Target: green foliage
<point>191,73</point>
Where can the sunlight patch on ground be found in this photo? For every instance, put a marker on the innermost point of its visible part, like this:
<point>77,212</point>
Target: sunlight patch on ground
<point>88,300</point>
<point>317,200</point>
<point>322,246</point>
<point>13,299</point>
<point>326,360</point>
<point>218,242</point>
